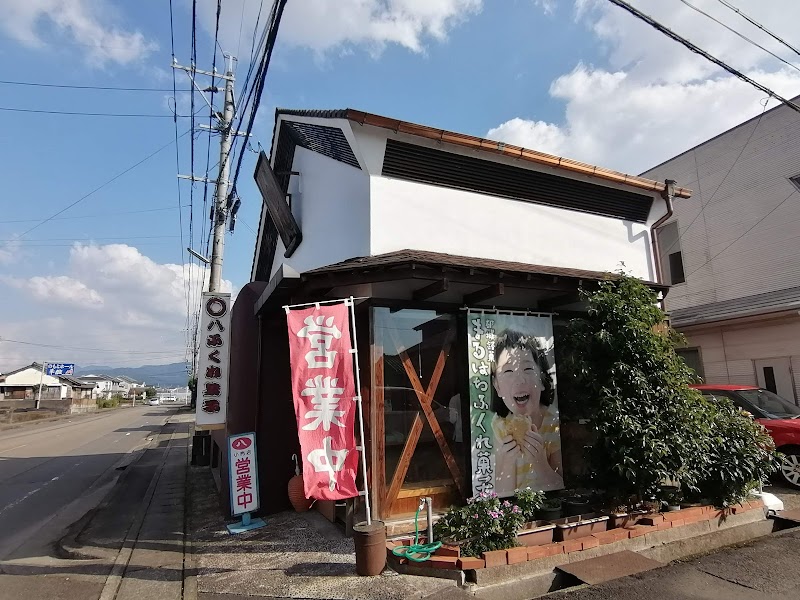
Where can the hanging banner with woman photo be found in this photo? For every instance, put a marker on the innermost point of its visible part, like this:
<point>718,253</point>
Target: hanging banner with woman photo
<point>514,419</point>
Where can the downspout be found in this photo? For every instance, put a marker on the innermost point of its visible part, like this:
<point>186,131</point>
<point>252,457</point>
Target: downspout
<point>257,415</point>
<point>668,194</point>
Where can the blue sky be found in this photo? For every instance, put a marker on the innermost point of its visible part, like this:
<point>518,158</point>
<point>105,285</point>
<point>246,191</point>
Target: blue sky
<point>582,79</point>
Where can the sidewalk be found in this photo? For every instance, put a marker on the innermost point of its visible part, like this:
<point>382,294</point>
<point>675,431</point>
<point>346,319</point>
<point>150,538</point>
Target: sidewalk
<point>294,556</point>
<point>146,553</point>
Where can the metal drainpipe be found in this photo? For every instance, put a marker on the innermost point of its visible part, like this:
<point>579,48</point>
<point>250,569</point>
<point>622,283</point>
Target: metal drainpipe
<point>668,194</point>
<point>258,373</point>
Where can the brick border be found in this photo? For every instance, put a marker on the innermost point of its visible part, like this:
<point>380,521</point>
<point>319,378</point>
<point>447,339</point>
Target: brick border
<point>448,557</point>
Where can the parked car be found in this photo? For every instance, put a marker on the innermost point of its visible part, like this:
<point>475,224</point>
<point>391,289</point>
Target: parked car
<point>153,401</point>
<point>778,415</point>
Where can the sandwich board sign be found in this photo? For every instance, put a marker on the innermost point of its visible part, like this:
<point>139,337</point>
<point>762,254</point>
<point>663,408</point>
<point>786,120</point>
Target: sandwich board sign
<point>243,481</point>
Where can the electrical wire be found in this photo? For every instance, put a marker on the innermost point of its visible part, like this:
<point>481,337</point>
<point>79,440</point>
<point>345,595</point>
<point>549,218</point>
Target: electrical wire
<point>697,50</point>
<point>781,203</point>
<point>81,349</point>
<point>760,26</point>
<point>87,87</point>
<point>273,25</point>
<point>741,35</point>
<point>91,114</point>
<point>96,215</point>
<point>193,59</point>
<point>100,187</point>
<point>178,168</point>
<point>724,179</point>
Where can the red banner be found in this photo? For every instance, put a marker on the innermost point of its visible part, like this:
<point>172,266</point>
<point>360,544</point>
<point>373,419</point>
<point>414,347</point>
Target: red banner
<point>324,392</point>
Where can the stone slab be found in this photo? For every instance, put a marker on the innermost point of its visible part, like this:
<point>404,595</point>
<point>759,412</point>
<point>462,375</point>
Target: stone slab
<point>610,566</point>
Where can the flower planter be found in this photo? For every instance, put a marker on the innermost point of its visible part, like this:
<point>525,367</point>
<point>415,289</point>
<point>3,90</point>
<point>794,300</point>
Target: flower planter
<point>617,520</point>
<point>536,533</point>
<point>579,526</point>
<point>575,506</point>
<point>549,514</point>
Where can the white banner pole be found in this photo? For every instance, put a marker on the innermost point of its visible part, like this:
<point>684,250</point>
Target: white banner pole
<point>351,302</point>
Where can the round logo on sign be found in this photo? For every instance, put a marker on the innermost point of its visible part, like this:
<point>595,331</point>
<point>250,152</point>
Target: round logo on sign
<point>216,307</point>
<point>241,443</point>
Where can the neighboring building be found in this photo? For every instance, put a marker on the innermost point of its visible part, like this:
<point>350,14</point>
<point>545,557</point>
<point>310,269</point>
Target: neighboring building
<point>23,384</point>
<point>731,253</point>
<point>417,223</point>
<point>103,384</point>
<point>20,388</point>
<point>179,395</point>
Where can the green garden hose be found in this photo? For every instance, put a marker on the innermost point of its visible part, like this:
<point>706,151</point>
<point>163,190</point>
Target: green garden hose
<point>417,552</point>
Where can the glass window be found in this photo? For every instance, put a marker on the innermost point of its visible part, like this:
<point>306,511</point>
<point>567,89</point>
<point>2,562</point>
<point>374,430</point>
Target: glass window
<point>691,357</point>
<point>419,364</point>
<point>770,403</point>
<point>676,268</point>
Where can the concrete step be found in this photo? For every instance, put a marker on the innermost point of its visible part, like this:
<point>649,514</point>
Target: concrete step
<point>608,567</point>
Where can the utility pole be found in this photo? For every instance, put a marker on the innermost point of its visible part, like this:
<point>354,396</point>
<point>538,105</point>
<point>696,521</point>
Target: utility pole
<point>41,382</point>
<point>221,193</point>
<point>227,134</point>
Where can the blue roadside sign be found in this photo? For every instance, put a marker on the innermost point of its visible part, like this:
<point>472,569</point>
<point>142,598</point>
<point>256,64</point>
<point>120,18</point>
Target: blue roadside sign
<point>57,369</point>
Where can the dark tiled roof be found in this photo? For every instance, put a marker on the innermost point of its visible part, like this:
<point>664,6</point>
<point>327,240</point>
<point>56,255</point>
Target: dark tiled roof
<point>402,257</point>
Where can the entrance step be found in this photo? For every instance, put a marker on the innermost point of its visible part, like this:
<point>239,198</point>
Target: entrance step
<point>610,566</point>
<point>790,518</point>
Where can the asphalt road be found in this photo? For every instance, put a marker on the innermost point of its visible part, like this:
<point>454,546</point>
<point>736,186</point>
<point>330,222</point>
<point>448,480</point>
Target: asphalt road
<point>53,473</point>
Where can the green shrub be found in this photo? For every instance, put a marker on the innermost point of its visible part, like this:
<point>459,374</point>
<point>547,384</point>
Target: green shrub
<point>650,426</point>
<point>112,402</point>
<point>485,523</point>
<point>529,502</point>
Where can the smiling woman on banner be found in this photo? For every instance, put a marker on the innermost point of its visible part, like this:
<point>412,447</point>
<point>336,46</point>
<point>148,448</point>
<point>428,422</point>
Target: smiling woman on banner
<point>525,424</point>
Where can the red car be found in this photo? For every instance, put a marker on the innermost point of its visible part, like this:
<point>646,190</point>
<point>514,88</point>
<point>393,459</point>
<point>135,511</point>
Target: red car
<point>778,415</point>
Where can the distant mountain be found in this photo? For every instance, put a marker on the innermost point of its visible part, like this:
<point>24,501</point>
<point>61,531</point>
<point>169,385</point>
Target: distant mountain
<point>171,375</point>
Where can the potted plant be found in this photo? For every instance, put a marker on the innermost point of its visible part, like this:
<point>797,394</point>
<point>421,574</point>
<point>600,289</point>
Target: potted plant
<point>551,509</point>
<point>486,523</point>
<point>533,532</point>
<point>569,528</point>
<point>671,497</point>
<point>576,504</point>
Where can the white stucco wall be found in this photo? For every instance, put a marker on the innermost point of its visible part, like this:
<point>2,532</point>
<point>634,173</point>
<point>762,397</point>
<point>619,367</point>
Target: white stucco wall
<point>331,202</point>
<point>31,377</point>
<point>407,215</point>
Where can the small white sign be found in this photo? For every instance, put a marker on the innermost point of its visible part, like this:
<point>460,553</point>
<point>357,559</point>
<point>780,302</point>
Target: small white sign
<point>243,473</point>
<point>214,363</point>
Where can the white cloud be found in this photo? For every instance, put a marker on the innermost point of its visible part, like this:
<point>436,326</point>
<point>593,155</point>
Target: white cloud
<point>61,290</point>
<point>87,23</point>
<point>110,297</point>
<point>548,6</point>
<point>655,98</point>
<point>9,251</point>
<point>322,25</point>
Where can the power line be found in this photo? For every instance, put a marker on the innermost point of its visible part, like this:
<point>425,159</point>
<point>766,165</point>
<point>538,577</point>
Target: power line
<point>272,29</point>
<point>781,203</point>
<point>697,50</point>
<point>127,237</point>
<point>100,187</point>
<point>109,214</point>
<point>724,179</point>
<point>178,169</point>
<point>761,27</point>
<point>87,87</point>
<point>741,35</point>
<point>91,114</point>
<point>80,349</point>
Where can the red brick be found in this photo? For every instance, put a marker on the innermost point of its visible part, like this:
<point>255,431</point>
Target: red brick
<point>695,519</point>
<point>654,519</point>
<point>441,562</point>
<point>589,542</point>
<point>572,546</point>
<point>664,525</point>
<point>535,552</point>
<point>495,558</point>
<point>639,530</point>
<point>709,509</point>
<point>678,523</point>
<point>690,513</point>
<point>517,555</point>
<point>470,562</point>
<point>447,550</point>
<point>611,536</point>
<point>756,502</point>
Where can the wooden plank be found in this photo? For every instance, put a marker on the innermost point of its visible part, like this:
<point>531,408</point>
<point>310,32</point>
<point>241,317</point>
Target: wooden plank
<point>487,293</point>
<point>425,491</point>
<point>425,397</point>
<point>405,461</point>
<point>431,290</point>
<point>560,300</point>
<point>378,432</point>
<point>278,208</point>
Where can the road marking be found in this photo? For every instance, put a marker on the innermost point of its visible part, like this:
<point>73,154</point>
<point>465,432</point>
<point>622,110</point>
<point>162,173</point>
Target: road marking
<point>15,447</point>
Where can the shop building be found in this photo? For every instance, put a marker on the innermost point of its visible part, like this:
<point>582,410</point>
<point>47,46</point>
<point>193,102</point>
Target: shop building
<point>420,226</point>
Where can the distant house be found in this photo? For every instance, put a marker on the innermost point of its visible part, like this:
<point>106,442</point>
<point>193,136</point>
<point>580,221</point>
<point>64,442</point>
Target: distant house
<point>103,384</point>
<point>731,253</point>
<point>57,391</point>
